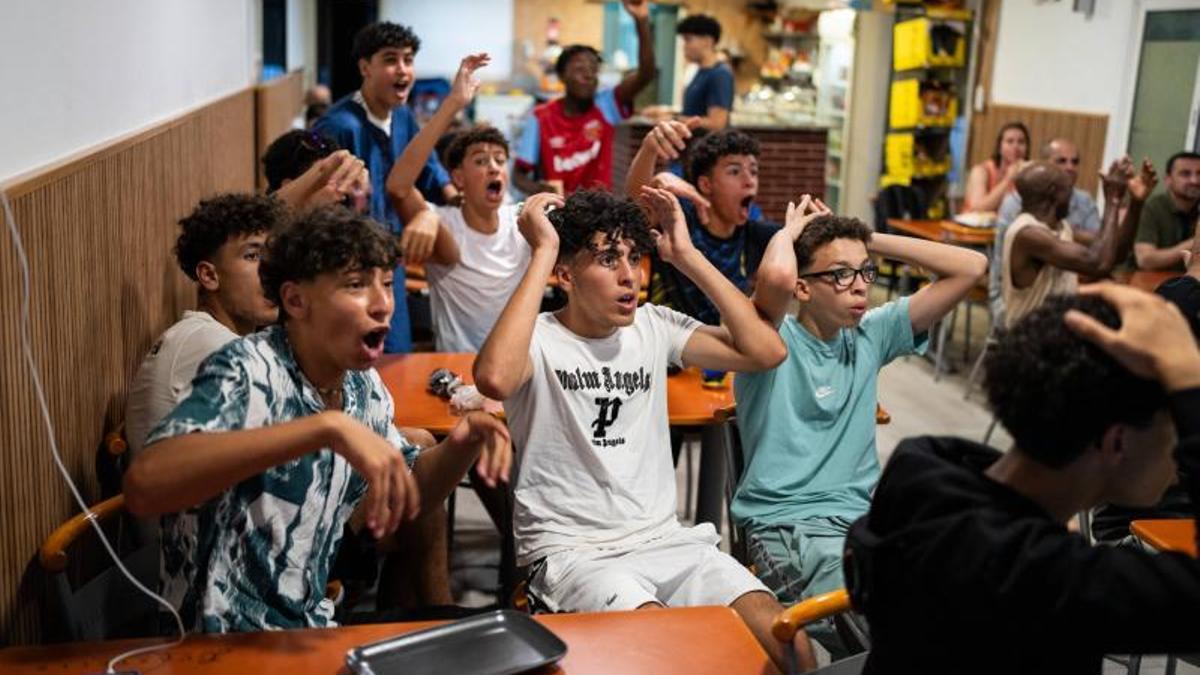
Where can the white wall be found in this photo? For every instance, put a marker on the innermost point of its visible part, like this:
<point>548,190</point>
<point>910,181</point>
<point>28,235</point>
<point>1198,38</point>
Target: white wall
<point>450,29</point>
<point>77,73</point>
<point>302,38</point>
<point>1048,56</point>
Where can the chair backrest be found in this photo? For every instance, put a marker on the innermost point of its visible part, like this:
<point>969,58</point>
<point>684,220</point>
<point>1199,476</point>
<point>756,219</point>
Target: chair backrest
<point>106,605</point>
<point>802,613</point>
<point>111,461</point>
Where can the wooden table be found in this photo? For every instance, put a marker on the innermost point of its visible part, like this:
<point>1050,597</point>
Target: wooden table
<point>945,231</point>
<point>683,640</point>
<point>1168,534</point>
<point>1148,281</point>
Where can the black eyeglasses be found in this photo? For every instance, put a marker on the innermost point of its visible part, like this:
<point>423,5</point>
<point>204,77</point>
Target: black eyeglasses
<point>843,277</point>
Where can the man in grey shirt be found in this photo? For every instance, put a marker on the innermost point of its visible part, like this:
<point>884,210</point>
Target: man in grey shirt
<point>1083,216</point>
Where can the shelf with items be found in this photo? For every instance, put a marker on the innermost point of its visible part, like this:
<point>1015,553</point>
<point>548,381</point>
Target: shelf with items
<point>924,42</point>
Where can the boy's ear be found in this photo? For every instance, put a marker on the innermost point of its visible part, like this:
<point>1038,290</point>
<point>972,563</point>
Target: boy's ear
<point>802,290</point>
<point>295,302</point>
<point>206,276</point>
<point>1112,445</point>
<point>362,67</point>
<point>704,185</point>
<point>456,178</point>
<point>565,279</point>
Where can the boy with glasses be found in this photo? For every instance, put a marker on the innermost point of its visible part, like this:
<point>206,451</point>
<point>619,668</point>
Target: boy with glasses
<point>808,426</point>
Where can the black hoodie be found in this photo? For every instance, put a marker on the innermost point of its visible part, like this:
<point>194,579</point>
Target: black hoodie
<point>958,573</point>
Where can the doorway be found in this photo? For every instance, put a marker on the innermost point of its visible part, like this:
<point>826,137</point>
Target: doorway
<point>1166,100</point>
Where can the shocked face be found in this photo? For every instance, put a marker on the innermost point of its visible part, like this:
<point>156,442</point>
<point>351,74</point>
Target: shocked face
<point>604,282</point>
<point>483,176</point>
<point>388,76</point>
<point>731,186</point>
<point>828,290</point>
<point>346,314</point>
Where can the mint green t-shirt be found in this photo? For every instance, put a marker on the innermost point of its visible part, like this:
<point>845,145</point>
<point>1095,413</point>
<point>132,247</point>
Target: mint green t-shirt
<point>808,426</point>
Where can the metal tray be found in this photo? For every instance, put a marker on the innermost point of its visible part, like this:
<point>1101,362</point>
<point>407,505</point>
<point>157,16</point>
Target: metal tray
<point>496,643</point>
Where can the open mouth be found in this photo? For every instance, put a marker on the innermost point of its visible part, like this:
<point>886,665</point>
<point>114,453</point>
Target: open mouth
<point>744,206</point>
<point>627,302</point>
<point>373,340</point>
<point>401,88</point>
<point>495,189</point>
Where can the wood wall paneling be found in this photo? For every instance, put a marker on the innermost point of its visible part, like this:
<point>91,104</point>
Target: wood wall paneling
<point>277,104</point>
<point>98,231</point>
<point>1087,130</point>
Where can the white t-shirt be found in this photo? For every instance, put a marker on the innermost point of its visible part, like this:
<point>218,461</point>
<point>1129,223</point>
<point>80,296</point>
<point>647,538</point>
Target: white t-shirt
<point>165,376</point>
<point>466,299</point>
<point>590,427</point>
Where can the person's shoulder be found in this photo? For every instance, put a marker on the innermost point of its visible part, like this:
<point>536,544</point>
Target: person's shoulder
<point>344,114</point>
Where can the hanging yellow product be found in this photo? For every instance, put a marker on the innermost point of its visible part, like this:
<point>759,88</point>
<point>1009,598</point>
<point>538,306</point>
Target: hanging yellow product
<point>912,47</point>
<point>898,159</point>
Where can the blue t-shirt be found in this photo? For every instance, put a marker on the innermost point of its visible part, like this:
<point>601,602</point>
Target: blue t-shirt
<point>346,122</point>
<point>710,87</point>
<point>808,426</point>
<point>737,258</point>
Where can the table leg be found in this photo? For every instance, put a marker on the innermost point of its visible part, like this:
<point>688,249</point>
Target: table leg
<point>710,494</point>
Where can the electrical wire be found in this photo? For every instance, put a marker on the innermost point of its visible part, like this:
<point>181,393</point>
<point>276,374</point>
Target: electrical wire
<point>23,262</point>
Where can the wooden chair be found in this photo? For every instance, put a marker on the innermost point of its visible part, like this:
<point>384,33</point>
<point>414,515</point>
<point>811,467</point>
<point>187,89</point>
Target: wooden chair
<point>107,605</point>
<point>818,607</point>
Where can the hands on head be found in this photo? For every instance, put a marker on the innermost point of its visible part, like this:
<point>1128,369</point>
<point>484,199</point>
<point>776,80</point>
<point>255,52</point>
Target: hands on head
<point>1154,340</point>
<point>669,227</point>
<point>534,223</point>
<point>800,215</point>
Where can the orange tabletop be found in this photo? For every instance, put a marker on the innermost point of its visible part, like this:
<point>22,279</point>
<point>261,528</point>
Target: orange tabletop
<point>946,231</point>
<point>1173,534</point>
<point>1148,281</point>
<point>407,375</point>
<point>684,640</point>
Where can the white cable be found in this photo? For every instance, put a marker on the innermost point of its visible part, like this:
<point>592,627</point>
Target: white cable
<point>41,399</point>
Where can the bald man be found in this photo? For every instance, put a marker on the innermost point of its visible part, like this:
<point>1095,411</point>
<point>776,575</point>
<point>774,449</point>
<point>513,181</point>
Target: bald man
<point>1082,215</point>
<point>1040,253</point>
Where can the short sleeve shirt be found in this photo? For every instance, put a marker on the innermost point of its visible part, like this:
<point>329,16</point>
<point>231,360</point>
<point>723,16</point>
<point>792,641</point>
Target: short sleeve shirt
<point>808,425</point>
<point>574,149</point>
<point>737,257</point>
<point>590,427</point>
<point>709,87</point>
<point>257,555</point>
<point>1163,225</point>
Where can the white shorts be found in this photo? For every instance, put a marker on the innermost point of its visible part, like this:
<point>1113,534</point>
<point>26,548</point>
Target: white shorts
<point>683,568</point>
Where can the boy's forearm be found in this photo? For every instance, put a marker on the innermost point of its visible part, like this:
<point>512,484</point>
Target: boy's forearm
<point>439,470</point>
<point>502,359</point>
<point>177,473</point>
<point>404,173</point>
<point>752,337</point>
<point>641,171</point>
<point>944,260</point>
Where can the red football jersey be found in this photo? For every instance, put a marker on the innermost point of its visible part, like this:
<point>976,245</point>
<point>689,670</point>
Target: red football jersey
<point>575,150</point>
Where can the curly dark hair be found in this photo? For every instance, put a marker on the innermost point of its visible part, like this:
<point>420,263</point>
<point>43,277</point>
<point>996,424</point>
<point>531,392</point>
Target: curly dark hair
<point>704,154</point>
<point>587,212</point>
<point>326,239</point>
<point>371,38</point>
<point>218,219</point>
<point>1057,393</point>
<point>560,65</point>
<point>293,153</point>
<point>700,24</point>
<point>456,152</point>
<point>823,230</point>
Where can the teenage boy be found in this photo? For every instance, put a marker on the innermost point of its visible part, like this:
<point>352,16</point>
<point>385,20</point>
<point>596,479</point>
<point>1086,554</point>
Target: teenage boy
<point>567,143</point>
<point>285,430</point>
<point>808,426</point>
<point>375,125</point>
<point>339,176</point>
<point>1040,255</point>
<point>466,297</point>
<point>1168,223</point>
<point>723,173</point>
<point>585,393</point>
<point>709,95</point>
<point>968,549</point>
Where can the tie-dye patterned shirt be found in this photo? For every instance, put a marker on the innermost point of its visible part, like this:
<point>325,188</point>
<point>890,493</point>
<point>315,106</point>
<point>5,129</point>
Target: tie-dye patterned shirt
<point>257,555</point>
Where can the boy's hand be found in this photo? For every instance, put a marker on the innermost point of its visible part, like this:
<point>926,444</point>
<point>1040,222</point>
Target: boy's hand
<point>480,432</point>
<point>800,215</point>
<point>329,180</point>
<point>638,9</point>
<point>684,190</point>
<point>418,236</point>
<point>1154,340</point>
<point>392,494</point>
<point>465,84</point>
<point>670,231</point>
<point>1141,185</point>
<point>535,225</point>
<point>668,139</point>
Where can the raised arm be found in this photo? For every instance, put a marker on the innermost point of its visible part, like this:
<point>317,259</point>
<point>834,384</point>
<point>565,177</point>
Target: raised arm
<point>775,283</point>
<point>744,341</point>
<point>666,141</point>
<point>957,269</point>
<point>403,176</point>
<point>503,364</point>
<point>1110,246</point>
<point>636,81</point>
